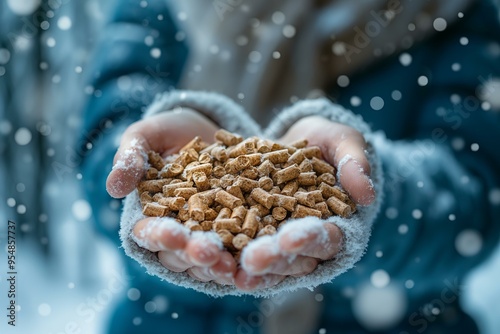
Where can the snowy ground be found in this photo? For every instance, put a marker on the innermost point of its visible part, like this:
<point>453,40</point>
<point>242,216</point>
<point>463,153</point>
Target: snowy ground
<point>50,303</point>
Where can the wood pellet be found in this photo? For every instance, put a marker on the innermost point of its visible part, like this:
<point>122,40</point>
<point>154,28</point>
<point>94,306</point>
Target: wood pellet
<point>242,188</point>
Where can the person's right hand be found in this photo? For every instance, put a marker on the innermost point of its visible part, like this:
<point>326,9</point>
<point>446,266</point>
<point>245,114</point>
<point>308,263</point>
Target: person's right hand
<point>178,249</point>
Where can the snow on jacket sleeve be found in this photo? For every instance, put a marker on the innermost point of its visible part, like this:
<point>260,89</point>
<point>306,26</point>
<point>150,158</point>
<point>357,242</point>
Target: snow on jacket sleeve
<point>137,57</point>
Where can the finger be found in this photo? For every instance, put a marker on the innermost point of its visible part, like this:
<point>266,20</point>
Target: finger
<point>247,282</point>
<point>173,261</point>
<point>292,265</point>
<point>353,168</point>
<point>158,234</point>
<point>204,249</point>
<point>260,255</point>
<point>314,239</point>
<point>224,270</point>
<point>200,274</point>
<point>129,163</point>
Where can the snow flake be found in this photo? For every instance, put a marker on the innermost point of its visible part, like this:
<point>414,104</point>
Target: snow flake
<point>380,278</point>
<point>23,8</point>
<point>150,307</point>
<point>71,285</point>
<point>422,80</point>
<point>455,67</point>
<point>44,310</point>
<point>468,242</point>
<point>161,303</point>
<point>124,83</point>
<point>416,214</point>
<point>4,56</point>
<point>278,18</point>
<point>396,95</point>
<point>175,315</point>
<point>51,42</point>
<point>439,24</point>
<point>155,53</point>
<point>494,196</point>
<point>255,56</point>
<point>11,202</point>
<point>474,147</point>
<point>455,98</point>
<point>411,27</point>
<point>318,297</point>
<point>343,81</point>
<point>288,31</point>
<point>64,23</point>
<point>241,40</point>
<point>355,101</point>
<point>149,40</point>
<point>22,43</point>
<point>214,49</point>
<point>377,103</point>
<point>490,92</point>
<point>180,36</point>
<point>486,106</point>
<point>458,143</point>
<point>403,229</point>
<point>81,210</point>
<point>22,136</point>
<point>20,187</point>
<point>137,321</point>
<point>322,331</point>
<point>464,41</point>
<point>391,213</point>
<point>367,310</point>
<point>405,59</point>
<point>452,217</point>
<point>182,16</point>
<point>379,254</point>
<point>21,209</point>
<point>45,25</point>
<point>276,55</point>
<point>5,127</point>
<point>409,284</point>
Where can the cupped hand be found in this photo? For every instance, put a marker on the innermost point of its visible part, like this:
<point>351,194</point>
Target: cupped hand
<point>178,249</point>
<point>301,247</point>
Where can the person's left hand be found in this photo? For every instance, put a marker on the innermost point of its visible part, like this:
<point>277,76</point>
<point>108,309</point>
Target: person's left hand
<point>301,247</point>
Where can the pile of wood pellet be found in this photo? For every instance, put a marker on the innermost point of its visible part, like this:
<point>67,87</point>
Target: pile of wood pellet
<point>241,189</point>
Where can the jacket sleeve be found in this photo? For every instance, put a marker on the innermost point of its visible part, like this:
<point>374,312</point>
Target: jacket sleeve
<point>137,57</point>
<point>442,183</point>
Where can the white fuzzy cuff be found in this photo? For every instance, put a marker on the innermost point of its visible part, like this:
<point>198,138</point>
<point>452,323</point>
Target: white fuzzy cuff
<point>356,229</point>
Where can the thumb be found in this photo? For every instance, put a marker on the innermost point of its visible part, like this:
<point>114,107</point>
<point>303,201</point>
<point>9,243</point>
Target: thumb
<point>129,165</point>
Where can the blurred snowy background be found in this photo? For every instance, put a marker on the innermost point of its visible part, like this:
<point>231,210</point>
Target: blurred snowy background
<point>69,277</point>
